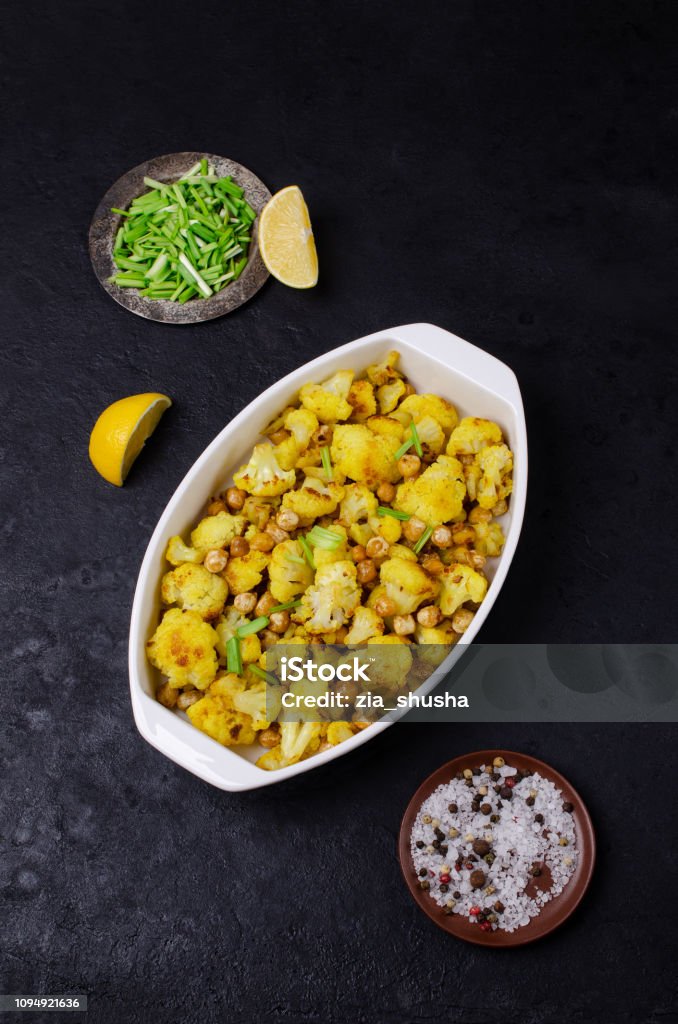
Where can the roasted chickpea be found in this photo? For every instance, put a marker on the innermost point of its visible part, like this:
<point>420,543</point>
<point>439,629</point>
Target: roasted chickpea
<point>366,571</point>
<point>377,547</point>
<point>477,560</point>
<point>262,542</point>
<point>409,465</point>
<point>429,616</point>
<point>235,498</point>
<point>358,553</point>
<point>409,389</point>
<point>239,547</point>
<point>403,624</point>
<point>278,436</point>
<point>479,515</point>
<point>167,695</point>
<point>385,607</point>
<point>188,697</point>
<point>216,506</point>
<point>441,537</point>
<point>276,532</point>
<point>461,620</point>
<point>245,603</point>
<point>216,560</point>
<point>269,737</point>
<point>432,565</point>
<point>347,688</point>
<point>267,638</point>
<point>500,509</point>
<point>279,621</point>
<point>287,519</point>
<point>386,492</point>
<point>265,603</point>
<point>413,528</point>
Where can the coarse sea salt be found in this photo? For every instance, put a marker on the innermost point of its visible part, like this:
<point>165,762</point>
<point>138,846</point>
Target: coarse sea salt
<point>519,844</point>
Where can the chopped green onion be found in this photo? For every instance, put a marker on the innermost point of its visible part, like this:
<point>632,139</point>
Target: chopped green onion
<point>152,183</point>
<point>285,607</point>
<point>327,462</point>
<point>202,285</point>
<point>382,510</point>
<point>403,448</point>
<point>203,166</point>
<point>322,538</point>
<point>233,656</point>
<point>415,439</point>
<point>423,539</point>
<point>308,554</point>
<point>123,213</point>
<point>296,559</point>
<point>268,676</point>
<point>252,627</point>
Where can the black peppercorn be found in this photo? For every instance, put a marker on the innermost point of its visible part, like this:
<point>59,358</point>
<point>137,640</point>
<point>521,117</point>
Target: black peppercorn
<point>568,807</point>
<point>425,885</point>
<point>477,879</point>
<point>423,873</point>
<point>530,801</point>
<point>452,808</point>
<point>495,776</point>
<point>439,834</point>
<point>456,894</point>
<point>499,907</point>
<point>443,851</point>
<point>444,888</point>
<point>489,858</point>
<point>506,793</point>
<point>497,789</point>
<point>419,844</point>
<point>494,818</point>
<point>435,844</point>
<point>469,783</point>
<point>539,818</point>
<point>485,808</point>
<point>481,847</point>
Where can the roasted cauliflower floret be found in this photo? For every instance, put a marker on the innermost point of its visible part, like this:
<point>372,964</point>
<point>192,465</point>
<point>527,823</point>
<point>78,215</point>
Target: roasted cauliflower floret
<point>391,665</point>
<point>263,476</point>
<point>245,572</point>
<point>339,732</point>
<point>182,648</point>
<point>178,553</point>
<point>289,572</point>
<point>388,395</point>
<point>416,407</point>
<point>217,531</point>
<point>387,426</point>
<point>226,627</point>
<point>302,425</point>
<point>361,399</point>
<point>259,510</point>
<point>329,400</point>
<point>385,371</point>
<point>489,539</point>
<point>194,588</point>
<point>437,496</point>
<point>472,434</point>
<point>406,584</point>
<point>358,504</point>
<point>431,436</point>
<point>216,716</point>
<point>298,740</point>
<point>442,634</point>
<point>332,599</point>
<point>364,624</point>
<point>313,499</point>
<point>459,584</point>
<point>252,702</point>
<point>364,456</point>
<point>495,464</point>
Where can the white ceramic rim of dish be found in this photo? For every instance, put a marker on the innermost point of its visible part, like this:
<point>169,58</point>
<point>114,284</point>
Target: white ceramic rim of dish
<point>171,733</point>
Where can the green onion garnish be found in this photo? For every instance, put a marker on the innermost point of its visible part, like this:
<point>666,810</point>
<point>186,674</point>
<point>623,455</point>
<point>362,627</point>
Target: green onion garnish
<point>415,439</point>
<point>296,559</point>
<point>252,627</point>
<point>382,510</point>
<point>327,463</point>
<point>233,656</point>
<point>263,674</point>
<point>423,539</point>
<point>403,448</point>
<point>322,538</point>
<point>286,607</point>
<point>192,235</point>
<point>308,554</point>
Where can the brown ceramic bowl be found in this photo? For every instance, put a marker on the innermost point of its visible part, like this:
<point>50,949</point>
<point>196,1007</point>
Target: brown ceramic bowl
<point>105,224</point>
<point>556,910</point>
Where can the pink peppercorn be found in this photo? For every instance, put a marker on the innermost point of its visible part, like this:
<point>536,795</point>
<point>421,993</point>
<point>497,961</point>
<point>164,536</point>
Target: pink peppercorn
<point>485,926</point>
<point>445,878</point>
<point>474,911</point>
<point>510,782</point>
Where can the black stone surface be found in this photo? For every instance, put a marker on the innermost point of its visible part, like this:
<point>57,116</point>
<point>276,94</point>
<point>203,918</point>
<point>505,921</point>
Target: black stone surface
<point>504,170</point>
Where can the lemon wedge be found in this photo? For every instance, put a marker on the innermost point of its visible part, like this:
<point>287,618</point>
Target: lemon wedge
<point>286,239</point>
<point>121,432</point>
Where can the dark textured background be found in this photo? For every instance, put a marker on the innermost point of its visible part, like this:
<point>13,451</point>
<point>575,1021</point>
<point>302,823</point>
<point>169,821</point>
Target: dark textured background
<point>504,170</point>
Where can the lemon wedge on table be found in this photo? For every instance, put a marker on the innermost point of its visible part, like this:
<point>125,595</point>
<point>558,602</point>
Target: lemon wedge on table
<point>121,432</point>
<point>286,239</point>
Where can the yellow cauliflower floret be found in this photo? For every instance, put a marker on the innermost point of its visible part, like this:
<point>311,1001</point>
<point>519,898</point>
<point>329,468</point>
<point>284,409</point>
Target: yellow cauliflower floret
<point>329,400</point>
<point>437,496</point>
<point>182,648</point>
<point>298,740</point>
<point>364,456</point>
<point>459,584</point>
<point>252,702</point>
<point>245,572</point>
<point>402,551</point>
<point>227,686</point>
<point>361,533</point>
<point>289,572</point>
<point>489,539</point>
<point>217,717</point>
<point>416,407</point>
<point>313,499</point>
<point>387,426</point>
<point>217,531</point>
<point>178,553</point>
<point>495,464</point>
<point>287,453</point>
<point>472,476</point>
<point>357,505</point>
<point>431,436</point>
<point>387,527</point>
<point>302,425</point>
<point>323,556</point>
<point>442,634</point>
<point>472,434</point>
<point>250,649</point>
<point>385,371</point>
<point>339,732</point>
<point>364,624</point>
<point>262,476</point>
<point>391,665</point>
<point>225,628</point>
<point>194,588</point>
<point>361,399</point>
<point>389,395</point>
<point>332,599</point>
<point>259,510</point>
<point>406,584</point>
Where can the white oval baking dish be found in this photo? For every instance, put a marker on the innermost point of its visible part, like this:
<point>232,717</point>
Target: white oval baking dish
<point>434,360</point>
